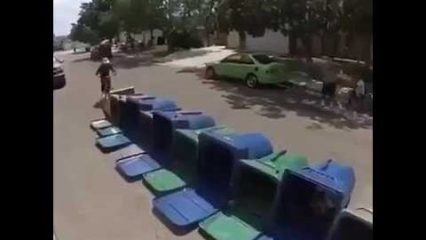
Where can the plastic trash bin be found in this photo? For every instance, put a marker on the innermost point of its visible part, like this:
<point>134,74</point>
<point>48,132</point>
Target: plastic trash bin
<point>218,151</point>
<point>182,170</point>
<point>114,106</point>
<point>165,123</point>
<point>131,108</point>
<point>181,210</point>
<point>132,168</point>
<point>127,151</point>
<point>99,124</point>
<point>146,125</point>
<point>163,181</point>
<point>112,143</point>
<point>144,103</point>
<point>309,200</point>
<point>185,146</point>
<point>125,107</point>
<point>351,225</point>
<point>255,186</point>
<point>227,226</point>
<point>103,132</point>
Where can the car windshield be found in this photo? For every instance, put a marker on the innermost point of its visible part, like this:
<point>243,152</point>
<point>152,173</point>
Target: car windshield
<point>264,59</point>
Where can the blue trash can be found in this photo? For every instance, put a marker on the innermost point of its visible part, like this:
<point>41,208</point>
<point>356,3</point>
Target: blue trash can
<point>112,142</point>
<point>146,125</point>
<point>103,132</point>
<point>100,124</point>
<point>132,168</point>
<point>254,185</point>
<point>133,127</point>
<point>134,104</point>
<point>185,145</point>
<point>165,123</point>
<point>352,225</point>
<point>309,199</point>
<point>218,152</point>
<point>181,170</point>
<point>125,105</point>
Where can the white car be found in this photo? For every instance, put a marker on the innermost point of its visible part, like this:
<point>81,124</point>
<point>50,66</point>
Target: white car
<point>58,74</point>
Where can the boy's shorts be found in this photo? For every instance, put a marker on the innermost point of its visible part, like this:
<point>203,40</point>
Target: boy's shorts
<point>105,84</point>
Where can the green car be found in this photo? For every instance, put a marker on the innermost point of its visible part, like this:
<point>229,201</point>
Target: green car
<point>256,69</point>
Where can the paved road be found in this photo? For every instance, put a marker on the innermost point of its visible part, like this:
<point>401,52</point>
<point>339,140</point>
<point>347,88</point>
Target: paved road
<point>91,201</point>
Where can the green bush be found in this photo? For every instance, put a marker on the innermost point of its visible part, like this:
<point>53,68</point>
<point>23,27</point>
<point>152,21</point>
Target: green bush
<point>183,39</point>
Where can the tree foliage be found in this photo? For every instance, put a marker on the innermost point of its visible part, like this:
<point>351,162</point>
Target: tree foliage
<point>96,21</point>
<point>251,16</point>
<point>357,16</point>
<point>84,34</point>
<point>301,19</point>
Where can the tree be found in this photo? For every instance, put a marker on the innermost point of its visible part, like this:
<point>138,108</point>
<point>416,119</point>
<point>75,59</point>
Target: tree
<point>108,25</point>
<point>130,14</point>
<point>84,34</point>
<point>208,13</point>
<point>247,16</point>
<point>357,19</point>
<point>97,17</point>
<point>332,27</point>
<point>154,16</point>
<point>302,19</point>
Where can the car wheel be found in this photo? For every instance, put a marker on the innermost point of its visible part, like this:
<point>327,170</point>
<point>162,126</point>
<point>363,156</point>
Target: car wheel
<point>252,81</point>
<point>210,73</point>
<point>59,83</point>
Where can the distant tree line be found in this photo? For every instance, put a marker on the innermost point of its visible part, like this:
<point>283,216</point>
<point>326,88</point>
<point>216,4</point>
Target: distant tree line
<point>298,19</point>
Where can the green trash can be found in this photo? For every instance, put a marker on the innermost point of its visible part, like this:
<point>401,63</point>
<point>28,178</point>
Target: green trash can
<point>182,170</point>
<point>255,184</point>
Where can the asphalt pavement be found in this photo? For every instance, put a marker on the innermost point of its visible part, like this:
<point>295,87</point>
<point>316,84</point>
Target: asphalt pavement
<point>91,201</point>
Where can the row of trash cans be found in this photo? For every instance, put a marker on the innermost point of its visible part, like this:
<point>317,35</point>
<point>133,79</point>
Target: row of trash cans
<point>228,184</point>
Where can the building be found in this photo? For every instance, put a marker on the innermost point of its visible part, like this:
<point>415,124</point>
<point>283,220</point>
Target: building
<point>271,42</point>
<point>358,47</point>
<point>144,36</point>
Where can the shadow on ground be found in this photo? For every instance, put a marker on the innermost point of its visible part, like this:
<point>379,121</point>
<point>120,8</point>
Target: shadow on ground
<point>125,61</point>
<point>128,61</point>
<point>275,102</point>
<point>86,59</point>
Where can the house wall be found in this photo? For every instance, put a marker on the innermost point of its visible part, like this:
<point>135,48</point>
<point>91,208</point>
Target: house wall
<point>232,40</point>
<point>271,42</point>
<point>277,43</point>
<point>143,36</point>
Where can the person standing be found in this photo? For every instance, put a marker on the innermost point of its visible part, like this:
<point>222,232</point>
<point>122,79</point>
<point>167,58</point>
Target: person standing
<point>360,89</point>
<point>360,93</point>
<point>329,78</point>
<point>104,72</point>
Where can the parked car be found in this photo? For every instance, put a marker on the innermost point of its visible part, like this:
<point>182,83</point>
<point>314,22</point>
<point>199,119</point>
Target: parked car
<point>100,51</point>
<point>81,50</point>
<point>256,69</point>
<point>58,74</point>
<point>94,54</point>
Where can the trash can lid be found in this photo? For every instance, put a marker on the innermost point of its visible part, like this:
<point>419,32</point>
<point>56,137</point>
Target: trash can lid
<point>254,145</point>
<point>187,119</point>
<point>330,175</point>
<point>275,164</point>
